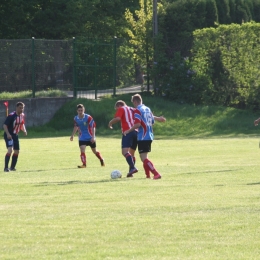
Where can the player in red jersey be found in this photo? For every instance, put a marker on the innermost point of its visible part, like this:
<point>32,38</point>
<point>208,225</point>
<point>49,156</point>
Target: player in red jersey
<point>125,115</point>
<point>12,126</point>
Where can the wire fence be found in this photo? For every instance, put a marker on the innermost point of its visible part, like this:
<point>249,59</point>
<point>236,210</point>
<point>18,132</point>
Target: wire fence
<point>88,68</point>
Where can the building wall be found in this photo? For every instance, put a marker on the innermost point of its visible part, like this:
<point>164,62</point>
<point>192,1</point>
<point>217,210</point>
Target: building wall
<point>38,111</point>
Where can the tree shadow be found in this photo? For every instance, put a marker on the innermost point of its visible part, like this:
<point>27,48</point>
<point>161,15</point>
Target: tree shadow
<point>73,182</point>
<point>256,183</point>
<point>47,170</point>
<point>210,171</point>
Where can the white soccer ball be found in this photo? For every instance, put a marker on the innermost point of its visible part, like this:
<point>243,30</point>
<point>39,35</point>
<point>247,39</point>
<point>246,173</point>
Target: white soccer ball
<point>116,174</point>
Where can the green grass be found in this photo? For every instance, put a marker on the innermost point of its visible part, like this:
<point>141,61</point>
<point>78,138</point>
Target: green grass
<point>28,94</point>
<point>206,206</point>
<point>183,120</point>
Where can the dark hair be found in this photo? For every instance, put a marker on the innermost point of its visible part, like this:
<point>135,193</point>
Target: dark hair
<point>80,106</point>
<point>20,104</point>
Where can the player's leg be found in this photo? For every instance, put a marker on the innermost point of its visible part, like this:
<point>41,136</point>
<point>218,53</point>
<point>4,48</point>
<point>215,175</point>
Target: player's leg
<point>127,141</point>
<point>9,146</point>
<point>82,147</point>
<point>97,153</point>
<point>144,157</point>
<point>133,146</point>
<point>16,147</point>
<point>144,147</point>
<point>130,161</point>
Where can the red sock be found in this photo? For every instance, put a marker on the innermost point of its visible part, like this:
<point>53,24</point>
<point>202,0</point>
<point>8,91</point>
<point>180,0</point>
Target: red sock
<point>150,166</point>
<point>83,158</point>
<point>98,155</point>
<point>147,170</point>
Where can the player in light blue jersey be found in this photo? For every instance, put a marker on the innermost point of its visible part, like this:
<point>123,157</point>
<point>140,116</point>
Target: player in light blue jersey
<point>144,120</point>
<point>86,127</point>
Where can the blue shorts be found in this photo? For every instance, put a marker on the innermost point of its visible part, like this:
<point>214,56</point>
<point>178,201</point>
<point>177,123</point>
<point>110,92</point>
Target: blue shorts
<point>130,140</point>
<point>14,142</point>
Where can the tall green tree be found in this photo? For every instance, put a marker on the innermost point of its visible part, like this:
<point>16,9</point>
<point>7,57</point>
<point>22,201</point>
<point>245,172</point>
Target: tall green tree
<point>61,19</point>
<point>211,16</point>
<point>223,11</point>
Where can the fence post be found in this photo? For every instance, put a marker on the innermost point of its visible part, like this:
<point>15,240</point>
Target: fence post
<point>33,70</point>
<point>114,65</point>
<point>95,75</point>
<point>74,68</point>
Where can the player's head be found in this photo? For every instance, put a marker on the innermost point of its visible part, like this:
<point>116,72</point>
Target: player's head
<point>19,107</point>
<point>80,109</point>
<point>136,100</point>
<point>119,103</point>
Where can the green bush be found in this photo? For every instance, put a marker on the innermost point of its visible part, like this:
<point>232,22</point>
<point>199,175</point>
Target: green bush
<point>227,60</point>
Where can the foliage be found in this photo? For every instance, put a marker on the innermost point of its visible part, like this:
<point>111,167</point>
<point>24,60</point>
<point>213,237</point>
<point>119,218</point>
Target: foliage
<point>174,78</point>
<point>140,32</point>
<point>63,19</point>
<point>227,60</point>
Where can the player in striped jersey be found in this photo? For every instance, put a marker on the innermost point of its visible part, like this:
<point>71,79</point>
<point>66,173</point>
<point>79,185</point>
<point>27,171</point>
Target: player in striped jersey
<point>144,119</point>
<point>86,126</point>
<point>12,126</point>
<point>125,115</point>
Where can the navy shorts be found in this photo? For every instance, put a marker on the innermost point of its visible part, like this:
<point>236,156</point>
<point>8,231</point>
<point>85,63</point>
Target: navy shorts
<point>87,143</point>
<point>144,146</point>
<point>129,140</point>
<point>14,142</point>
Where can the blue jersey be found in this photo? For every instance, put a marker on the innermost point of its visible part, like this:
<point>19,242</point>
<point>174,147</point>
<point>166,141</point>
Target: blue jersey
<point>144,116</point>
<point>85,126</point>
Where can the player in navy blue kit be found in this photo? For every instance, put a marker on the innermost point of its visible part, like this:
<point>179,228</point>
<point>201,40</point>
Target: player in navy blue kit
<point>86,126</point>
<point>12,126</point>
<point>144,120</point>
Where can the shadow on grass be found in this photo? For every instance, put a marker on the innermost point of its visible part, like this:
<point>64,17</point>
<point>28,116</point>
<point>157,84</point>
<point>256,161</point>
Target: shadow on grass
<point>210,171</point>
<point>63,183</point>
<point>51,170</point>
<point>256,183</point>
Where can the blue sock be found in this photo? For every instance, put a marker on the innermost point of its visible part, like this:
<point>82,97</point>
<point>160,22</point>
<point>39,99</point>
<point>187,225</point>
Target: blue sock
<point>129,160</point>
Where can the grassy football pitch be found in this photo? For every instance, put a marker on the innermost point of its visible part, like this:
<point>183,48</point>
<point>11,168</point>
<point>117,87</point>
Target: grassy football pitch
<point>206,206</point>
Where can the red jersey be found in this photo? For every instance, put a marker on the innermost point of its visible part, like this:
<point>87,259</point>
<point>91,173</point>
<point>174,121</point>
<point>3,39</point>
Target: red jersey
<point>126,115</point>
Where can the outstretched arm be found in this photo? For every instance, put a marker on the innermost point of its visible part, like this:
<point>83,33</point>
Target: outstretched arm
<point>159,118</point>
<point>113,121</point>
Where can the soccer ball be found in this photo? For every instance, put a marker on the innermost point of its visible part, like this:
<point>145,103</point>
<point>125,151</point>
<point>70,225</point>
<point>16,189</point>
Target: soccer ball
<point>116,174</point>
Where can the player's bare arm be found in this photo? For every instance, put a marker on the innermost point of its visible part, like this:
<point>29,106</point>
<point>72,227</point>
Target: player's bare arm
<point>135,126</point>
<point>113,121</point>
<point>160,118</point>
<point>75,129</point>
<point>256,122</point>
<point>93,139</point>
<point>7,132</point>
<point>23,128</point>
